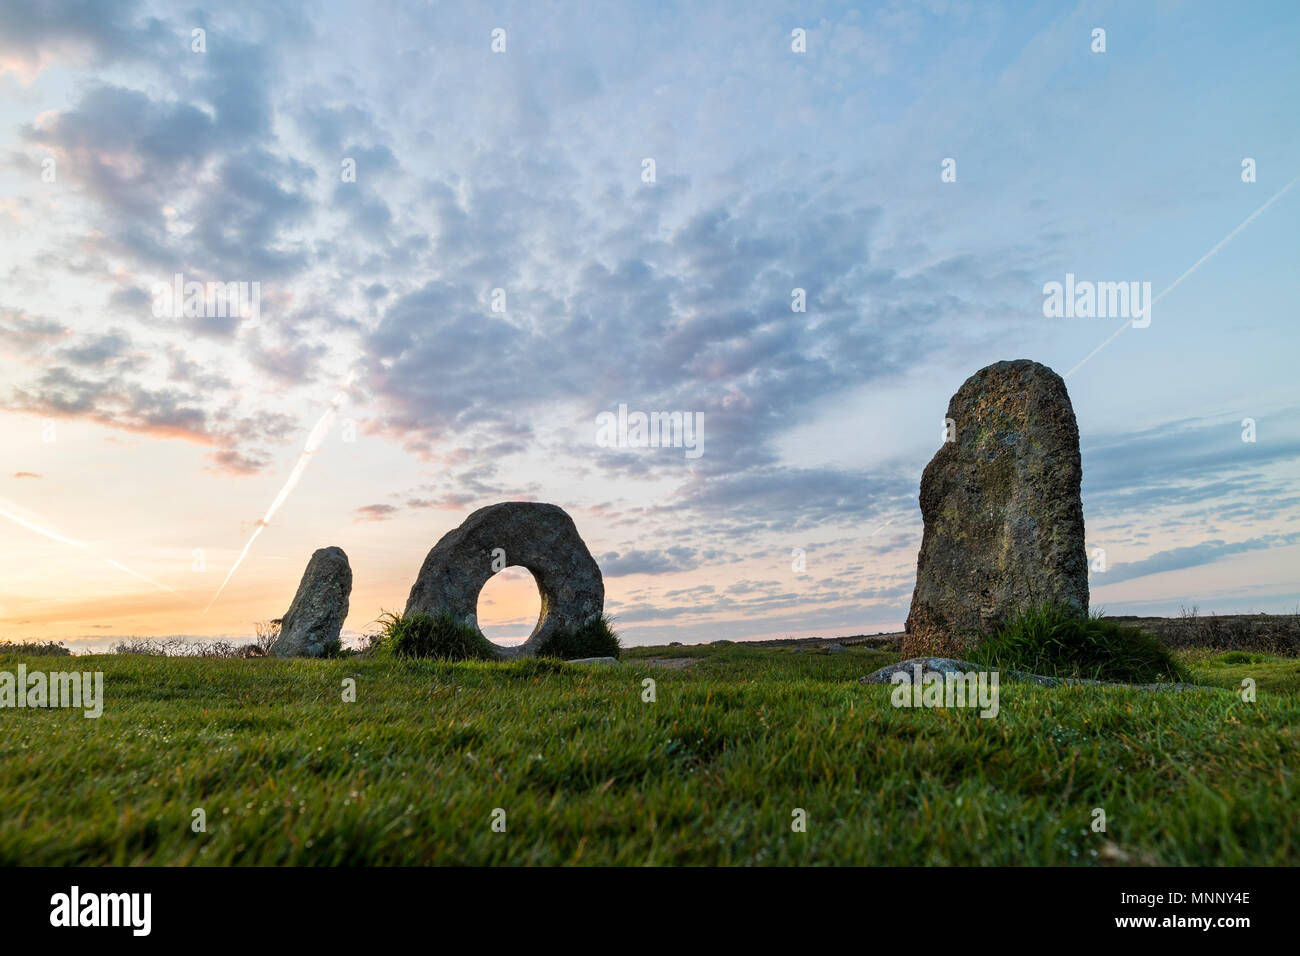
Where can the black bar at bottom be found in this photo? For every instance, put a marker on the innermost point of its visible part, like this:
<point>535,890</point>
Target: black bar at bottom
<point>916,905</point>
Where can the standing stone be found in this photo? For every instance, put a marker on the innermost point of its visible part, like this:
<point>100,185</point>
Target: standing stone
<point>1003,517</point>
<point>312,624</point>
<point>539,537</point>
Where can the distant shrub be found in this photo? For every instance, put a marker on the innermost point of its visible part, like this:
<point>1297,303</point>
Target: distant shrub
<point>1266,633</point>
<point>421,635</point>
<point>35,648</point>
<point>596,638</point>
<point>220,649</point>
<point>1060,642</point>
<point>144,647</point>
<point>268,632</point>
<point>180,647</point>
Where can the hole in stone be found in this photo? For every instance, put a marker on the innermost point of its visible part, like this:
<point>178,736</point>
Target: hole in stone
<point>508,606</point>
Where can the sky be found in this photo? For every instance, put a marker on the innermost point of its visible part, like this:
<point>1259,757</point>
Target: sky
<point>474,228</point>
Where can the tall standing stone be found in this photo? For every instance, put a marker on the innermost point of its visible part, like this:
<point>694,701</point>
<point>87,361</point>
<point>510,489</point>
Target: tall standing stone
<point>1002,512</point>
<point>312,624</point>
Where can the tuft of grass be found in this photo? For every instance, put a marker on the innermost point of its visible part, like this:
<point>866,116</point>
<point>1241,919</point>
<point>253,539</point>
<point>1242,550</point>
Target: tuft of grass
<point>421,635</point>
<point>1240,657</point>
<point>596,638</point>
<point>1060,642</point>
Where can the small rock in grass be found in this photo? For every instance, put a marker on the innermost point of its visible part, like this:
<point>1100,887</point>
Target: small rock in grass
<point>928,665</point>
<point>947,665</point>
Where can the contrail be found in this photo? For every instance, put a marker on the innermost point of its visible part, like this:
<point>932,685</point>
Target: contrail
<point>7,510</point>
<point>873,534</point>
<point>1196,265</point>
<point>314,441</point>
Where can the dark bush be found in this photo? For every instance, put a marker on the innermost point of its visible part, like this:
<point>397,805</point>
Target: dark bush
<point>35,648</point>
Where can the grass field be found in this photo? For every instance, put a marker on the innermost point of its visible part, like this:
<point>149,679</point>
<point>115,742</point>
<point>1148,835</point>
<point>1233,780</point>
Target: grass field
<point>587,772</point>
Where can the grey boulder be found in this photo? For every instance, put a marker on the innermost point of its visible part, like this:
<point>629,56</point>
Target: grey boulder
<point>1002,513</point>
<point>530,534</point>
<point>312,624</point>
<point>925,665</point>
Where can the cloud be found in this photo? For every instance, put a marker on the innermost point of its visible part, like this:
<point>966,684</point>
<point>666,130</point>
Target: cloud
<point>295,364</point>
<point>1187,462</point>
<point>1175,559</point>
<point>694,317</point>
<point>231,462</point>
<point>375,512</point>
<point>99,384</point>
<point>1184,449</point>
<point>670,560</point>
<point>29,335</point>
<point>183,176</point>
<point>34,34</point>
<point>97,350</point>
<point>676,297</point>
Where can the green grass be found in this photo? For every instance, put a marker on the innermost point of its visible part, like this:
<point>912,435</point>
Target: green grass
<point>596,638</point>
<point>588,772</point>
<point>1269,672</point>
<point>1059,642</point>
<point>420,635</point>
